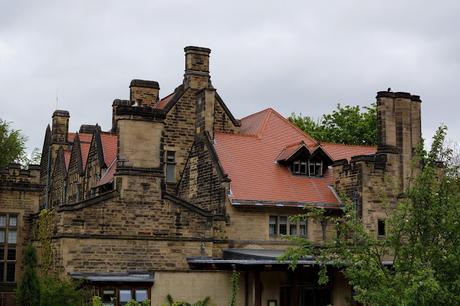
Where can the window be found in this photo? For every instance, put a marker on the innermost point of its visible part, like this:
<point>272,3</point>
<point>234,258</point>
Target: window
<point>381,228</point>
<point>273,226</point>
<point>303,228</point>
<point>170,166</point>
<point>8,240</point>
<point>108,297</point>
<point>125,296</point>
<point>141,295</point>
<point>307,167</point>
<point>281,225</point>
<point>292,229</point>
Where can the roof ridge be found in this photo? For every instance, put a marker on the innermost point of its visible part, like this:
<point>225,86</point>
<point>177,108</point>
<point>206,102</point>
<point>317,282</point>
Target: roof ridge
<point>265,122</point>
<point>346,144</point>
<point>298,130</point>
<point>256,113</point>
<point>237,134</point>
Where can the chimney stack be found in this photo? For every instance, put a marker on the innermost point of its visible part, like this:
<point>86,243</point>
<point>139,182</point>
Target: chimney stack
<point>197,67</point>
<point>144,92</point>
<point>60,127</point>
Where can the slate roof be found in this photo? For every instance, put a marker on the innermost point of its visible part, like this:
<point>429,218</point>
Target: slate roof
<point>250,161</point>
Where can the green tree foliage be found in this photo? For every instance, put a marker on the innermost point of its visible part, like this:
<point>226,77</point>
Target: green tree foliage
<point>12,144</point>
<point>422,239</point>
<point>61,292</point>
<point>28,292</point>
<point>35,157</point>
<point>347,124</point>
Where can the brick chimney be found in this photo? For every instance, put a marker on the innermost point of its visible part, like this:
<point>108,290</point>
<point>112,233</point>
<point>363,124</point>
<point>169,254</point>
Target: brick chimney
<point>144,92</point>
<point>197,67</point>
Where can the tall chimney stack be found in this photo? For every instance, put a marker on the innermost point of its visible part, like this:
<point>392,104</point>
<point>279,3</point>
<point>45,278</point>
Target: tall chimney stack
<point>60,126</point>
<point>197,67</point>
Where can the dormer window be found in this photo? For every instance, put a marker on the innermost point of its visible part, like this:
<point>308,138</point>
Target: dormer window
<point>302,160</point>
<point>307,167</point>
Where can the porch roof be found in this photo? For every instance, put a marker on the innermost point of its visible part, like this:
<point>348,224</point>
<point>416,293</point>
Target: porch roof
<point>115,277</point>
<point>245,258</point>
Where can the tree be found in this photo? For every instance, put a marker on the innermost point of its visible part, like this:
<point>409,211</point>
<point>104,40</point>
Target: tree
<point>348,125</point>
<point>12,144</point>
<point>34,158</point>
<point>61,292</point>
<point>422,240</point>
<point>28,292</point>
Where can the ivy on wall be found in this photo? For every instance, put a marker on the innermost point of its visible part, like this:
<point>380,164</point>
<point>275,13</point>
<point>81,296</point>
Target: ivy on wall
<point>44,236</point>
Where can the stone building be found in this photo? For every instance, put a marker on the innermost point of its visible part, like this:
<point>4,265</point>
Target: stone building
<point>178,193</point>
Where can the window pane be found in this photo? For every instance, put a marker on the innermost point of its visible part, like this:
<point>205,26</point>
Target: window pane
<point>2,254</point>
<point>273,225</point>
<point>296,167</point>
<point>318,169</point>
<point>170,157</point>
<point>2,271</point>
<point>125,296</point>
<point>13,221</point>
<point>303,228</point>
<point>3,221</point>
<point>293,229</point>
<point>303,167</point>
<point>2,236</point>
<point>283,225</point>
<point>381,227</point>
<point>10,272</point>
<point>141,295</point>
<point>11,254</point>
<point>108,297</point>
<point>12,236</point>
<point>170,173</point>
<point>312,169</point>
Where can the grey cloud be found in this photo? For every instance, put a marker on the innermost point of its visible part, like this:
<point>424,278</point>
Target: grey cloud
<point>295,56</point>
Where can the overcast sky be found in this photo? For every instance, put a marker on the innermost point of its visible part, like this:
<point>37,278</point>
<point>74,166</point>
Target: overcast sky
<point>294,56</point>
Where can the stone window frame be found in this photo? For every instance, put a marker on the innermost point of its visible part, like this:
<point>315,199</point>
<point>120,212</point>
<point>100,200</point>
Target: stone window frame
<point>6,260</point>
<point>171,165</point>
<point>275,232</point>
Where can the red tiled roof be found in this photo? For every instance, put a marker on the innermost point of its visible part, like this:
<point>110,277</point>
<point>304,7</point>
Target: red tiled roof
<point>107,175</point>
<point>256,123</point>
<point>288,151</point>
<point>85,143</point>
<point>67,158</point>
<point>84,137</point>
<point>342,151</point>
<point>163,102</point>
<point>250,163</point>
<point>250,160</point>
<point>109,146</point>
